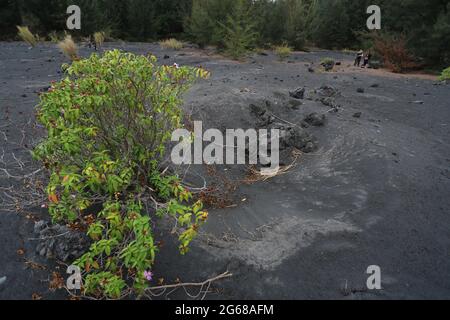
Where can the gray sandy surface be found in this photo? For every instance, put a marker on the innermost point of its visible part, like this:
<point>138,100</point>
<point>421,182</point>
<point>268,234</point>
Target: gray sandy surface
<point>376,192</point>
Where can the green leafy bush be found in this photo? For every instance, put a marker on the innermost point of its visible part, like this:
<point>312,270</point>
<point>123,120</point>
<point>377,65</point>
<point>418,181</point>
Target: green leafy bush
<point>108,123</point>
<point>445,75</point>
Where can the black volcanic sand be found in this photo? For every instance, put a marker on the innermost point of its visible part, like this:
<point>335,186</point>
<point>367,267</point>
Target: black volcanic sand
<point>376,192</point>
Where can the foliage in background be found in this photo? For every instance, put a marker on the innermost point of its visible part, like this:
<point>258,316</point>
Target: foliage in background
<point>108,122</point>
<point>324,23</point>
<point>26,35</point>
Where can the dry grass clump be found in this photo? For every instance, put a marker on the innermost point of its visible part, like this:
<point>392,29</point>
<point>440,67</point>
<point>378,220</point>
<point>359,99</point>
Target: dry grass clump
<point>26,35</point>
<point>171,44</point>
<point>69,48</point>
<point>99,38</point>
<point>283,51</point>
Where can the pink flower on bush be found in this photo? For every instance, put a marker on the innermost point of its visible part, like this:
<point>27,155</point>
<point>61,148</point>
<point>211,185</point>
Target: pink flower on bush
<point>148,275</point>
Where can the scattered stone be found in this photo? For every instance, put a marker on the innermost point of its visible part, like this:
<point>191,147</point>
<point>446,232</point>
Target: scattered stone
<point>315,119</point>
<point>60,242</point>
<point>166,57</point>
<point>357,115</point>
<point>24,96</point>
<point>375,85</point>
<point>338,63</point>
<point>311,70</point>
<point>360,90</point>
<point>298,93</point>
<point>418,102</point>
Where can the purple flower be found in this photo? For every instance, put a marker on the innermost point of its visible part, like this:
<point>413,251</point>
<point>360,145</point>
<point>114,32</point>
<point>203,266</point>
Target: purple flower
<point>148,275</point>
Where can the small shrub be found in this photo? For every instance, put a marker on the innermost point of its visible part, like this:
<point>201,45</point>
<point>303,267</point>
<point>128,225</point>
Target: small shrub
<point>172,43</point>
<point>445,76</point>
<point>283,51</point>
<point>53,36</point>
<point>328,64</point>
<point>99,38</point>
<point>69,47</point>
<point>394,52</point>
<point>26,35</point>
<point>108,123</point>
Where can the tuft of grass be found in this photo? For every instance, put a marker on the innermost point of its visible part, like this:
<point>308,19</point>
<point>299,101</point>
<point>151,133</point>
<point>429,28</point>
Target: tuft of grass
<point>69,47</point>
<point>328,64</point>
<point>53,36</point>
<point>26,35</point>
<point>283,51</point>
<point>99,38</point>
<point>445,76</point>
<point>171,44</point>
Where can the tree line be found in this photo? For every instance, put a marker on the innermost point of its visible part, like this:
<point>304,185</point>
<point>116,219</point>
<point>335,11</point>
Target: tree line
<point>246,24</point>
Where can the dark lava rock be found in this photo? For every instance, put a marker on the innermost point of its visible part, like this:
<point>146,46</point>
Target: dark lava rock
<point>375,85</point>
<point>327,91</point>
<point>328,66</point>
<point>360,90</point>
<point>295,137</point>
<point>338,63</point>
<point>311,70</point>
<point>257,110</point>
<point>60,242</point>
<point>295,104</point>
<point>357,115</point>
<point>166,57</point>
<point>298,93</point>
<point>315,119</point>
<point>329,102</point>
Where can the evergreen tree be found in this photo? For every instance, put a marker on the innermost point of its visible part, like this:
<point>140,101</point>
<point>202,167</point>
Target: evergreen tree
<point>239,35</point>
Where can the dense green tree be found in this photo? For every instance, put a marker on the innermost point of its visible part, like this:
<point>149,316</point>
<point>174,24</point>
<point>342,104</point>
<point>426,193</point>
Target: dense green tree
<point>238,32</point>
